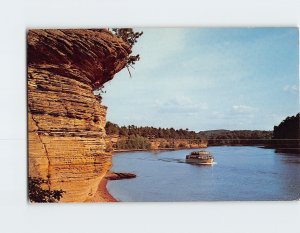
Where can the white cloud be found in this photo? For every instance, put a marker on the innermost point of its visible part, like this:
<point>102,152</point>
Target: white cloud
<point>243,109</point>
<point>180,104</point>
<point>291,88</point>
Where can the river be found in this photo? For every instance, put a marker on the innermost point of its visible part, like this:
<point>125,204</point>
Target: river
<point>241,173</point>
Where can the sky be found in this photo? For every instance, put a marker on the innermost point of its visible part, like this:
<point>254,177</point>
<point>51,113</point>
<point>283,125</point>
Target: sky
<point>208,78</point>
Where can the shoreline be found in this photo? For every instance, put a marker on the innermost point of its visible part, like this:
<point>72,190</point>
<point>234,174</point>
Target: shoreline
<point>132,150</point>
<point>267,146</point>
<point>158,149</point>
<point>102,194</point>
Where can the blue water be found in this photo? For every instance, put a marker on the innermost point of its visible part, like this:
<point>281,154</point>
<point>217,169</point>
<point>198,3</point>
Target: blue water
<point>240,173</point>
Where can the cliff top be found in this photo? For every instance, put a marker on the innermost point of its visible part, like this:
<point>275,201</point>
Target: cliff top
<point>91,56</point>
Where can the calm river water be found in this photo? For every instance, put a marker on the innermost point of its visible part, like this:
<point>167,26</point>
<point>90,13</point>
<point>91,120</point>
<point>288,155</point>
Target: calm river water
<point>240,173</point>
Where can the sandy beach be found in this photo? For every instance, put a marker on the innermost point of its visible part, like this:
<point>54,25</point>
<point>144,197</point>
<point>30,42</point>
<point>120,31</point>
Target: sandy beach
<point>102,194</point>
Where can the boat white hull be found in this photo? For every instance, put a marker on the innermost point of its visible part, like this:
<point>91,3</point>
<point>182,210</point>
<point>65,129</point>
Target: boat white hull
<point>200,161</point>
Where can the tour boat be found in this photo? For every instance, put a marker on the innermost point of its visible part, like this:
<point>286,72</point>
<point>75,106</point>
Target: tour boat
<point>200,157</point>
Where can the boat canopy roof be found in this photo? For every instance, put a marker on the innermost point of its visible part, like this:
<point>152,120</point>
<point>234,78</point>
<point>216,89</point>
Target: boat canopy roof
<point>200,152</point>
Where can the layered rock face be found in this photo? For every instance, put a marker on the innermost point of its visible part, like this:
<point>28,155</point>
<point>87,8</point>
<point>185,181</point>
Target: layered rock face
<point>66,135</point>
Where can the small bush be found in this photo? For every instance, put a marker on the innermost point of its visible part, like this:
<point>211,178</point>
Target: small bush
<point>38,194</point>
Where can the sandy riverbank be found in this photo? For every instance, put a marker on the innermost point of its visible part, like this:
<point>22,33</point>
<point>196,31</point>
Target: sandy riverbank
<point>102,194</point>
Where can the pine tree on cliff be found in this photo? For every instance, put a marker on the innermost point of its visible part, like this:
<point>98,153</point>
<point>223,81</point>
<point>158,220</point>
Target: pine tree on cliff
<point>129,36</point>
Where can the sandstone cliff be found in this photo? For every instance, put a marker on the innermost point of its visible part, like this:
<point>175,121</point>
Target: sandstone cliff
<point>66,144</point>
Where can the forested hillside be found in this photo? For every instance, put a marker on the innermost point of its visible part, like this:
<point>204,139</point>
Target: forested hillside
<point>143,135</point>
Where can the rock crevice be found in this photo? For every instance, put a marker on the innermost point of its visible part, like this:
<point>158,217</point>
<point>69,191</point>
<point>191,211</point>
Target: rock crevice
<point>46,153</point>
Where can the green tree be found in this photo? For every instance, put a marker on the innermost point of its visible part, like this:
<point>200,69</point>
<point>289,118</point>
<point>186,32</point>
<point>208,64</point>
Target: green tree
<point>129,36</point>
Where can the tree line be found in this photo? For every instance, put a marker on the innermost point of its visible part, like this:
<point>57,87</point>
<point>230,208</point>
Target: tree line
<point>237,137</point>
<point>213,137</point>
<point>150,132</point>
<point>286,135</point>
<point>289,128</point>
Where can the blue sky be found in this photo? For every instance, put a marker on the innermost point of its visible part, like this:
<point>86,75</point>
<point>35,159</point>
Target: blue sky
<point>209,78</point>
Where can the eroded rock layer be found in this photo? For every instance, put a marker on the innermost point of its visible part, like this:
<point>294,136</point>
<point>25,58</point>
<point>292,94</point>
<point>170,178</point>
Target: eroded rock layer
<point>66,135</point>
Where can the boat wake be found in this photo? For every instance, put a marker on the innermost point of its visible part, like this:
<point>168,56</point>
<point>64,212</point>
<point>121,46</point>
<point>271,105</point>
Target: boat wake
<point>168,160</point>
<point>172,160</point>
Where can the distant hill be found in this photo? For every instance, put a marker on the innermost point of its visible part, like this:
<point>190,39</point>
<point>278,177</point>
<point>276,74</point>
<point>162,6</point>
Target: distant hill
<point>214,131</point>
<point>237,137</point>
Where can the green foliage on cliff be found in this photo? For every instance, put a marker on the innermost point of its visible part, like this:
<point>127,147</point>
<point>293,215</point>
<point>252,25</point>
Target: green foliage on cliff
<point>111,128</point>
<point>150,132</point>
<point>133,142</point>
<point>289,128</point>
<point>38,194</point>
<point>129,36</point>
<point>286,136</point>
